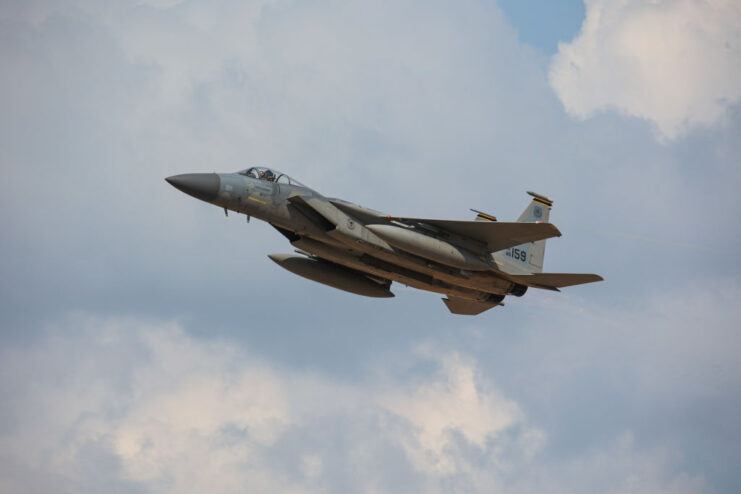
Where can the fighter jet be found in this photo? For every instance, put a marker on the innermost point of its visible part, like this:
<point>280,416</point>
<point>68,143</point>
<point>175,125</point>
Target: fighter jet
<point>475,264</point>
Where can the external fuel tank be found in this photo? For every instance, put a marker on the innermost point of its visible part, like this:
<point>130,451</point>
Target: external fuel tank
<point>332,275</point>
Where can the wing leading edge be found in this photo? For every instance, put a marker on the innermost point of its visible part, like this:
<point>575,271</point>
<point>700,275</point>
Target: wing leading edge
<point>556,280</point>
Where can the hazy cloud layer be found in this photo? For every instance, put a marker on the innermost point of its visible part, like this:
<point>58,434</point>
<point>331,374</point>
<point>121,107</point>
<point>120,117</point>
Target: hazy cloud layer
<point>176,414</point>
<point>676,63</point>
<point>142,406</point>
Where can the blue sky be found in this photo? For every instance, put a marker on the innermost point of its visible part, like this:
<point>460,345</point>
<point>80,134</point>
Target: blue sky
<point>147,343</point>
<point>542,23</point>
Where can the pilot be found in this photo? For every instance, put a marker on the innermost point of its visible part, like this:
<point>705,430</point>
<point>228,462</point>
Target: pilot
<point>268,176</point>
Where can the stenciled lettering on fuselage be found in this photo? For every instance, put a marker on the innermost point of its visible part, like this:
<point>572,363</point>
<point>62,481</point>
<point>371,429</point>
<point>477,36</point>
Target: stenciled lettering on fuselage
<point>516,254</point>
<point>260,187</point>
<point>259,192</point>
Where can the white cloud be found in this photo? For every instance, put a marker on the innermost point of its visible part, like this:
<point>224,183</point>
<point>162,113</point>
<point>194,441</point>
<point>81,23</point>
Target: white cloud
<point>144,405</point>
<point>454,403</point>
<point>440,102</point>
<point>193,416</point>
<point>676,63</point>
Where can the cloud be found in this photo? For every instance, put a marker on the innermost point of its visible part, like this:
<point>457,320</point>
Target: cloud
<point>144,407</point>
<point>192,415</point>
<point>107,99</point>
<point>413,112</point>
<point>618,467</point>
<point>675,63</point>
<point>453,403</point>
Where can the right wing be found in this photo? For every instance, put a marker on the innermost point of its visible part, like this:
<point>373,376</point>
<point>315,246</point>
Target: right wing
<point>495,235</point>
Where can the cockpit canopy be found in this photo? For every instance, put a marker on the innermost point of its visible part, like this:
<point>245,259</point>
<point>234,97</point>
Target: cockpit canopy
<point>263,173</point>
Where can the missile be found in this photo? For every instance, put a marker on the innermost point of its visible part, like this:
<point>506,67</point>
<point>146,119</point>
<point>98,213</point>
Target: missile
<point>332,275</point>
<point>429,247</point>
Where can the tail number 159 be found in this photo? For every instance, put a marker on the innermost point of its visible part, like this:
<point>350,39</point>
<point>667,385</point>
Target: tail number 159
<point>518,254</point>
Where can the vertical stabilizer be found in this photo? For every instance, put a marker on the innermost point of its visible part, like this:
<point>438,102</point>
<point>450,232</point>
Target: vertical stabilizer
<point>538,211</point>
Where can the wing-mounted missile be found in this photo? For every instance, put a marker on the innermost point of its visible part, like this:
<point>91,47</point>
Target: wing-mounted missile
<point>430,247</point>
<point>331,274</point>
<point>489,236</point>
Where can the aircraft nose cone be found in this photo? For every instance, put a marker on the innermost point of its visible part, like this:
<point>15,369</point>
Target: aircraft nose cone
<point>204,186</point>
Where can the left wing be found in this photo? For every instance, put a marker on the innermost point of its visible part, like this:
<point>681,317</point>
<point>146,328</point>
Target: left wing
<point>555,280</point>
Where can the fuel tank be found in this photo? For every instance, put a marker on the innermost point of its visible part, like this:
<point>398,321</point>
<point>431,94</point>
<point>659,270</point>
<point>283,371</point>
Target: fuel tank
<point>331,275</point>
<point>429,247</point>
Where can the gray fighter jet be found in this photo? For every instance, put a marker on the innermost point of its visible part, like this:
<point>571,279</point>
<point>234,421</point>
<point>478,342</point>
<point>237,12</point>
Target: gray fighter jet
<point>362,251</point>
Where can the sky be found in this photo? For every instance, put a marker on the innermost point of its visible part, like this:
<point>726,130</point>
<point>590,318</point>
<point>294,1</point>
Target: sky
<point>542,23</point>
<point>149,345</point>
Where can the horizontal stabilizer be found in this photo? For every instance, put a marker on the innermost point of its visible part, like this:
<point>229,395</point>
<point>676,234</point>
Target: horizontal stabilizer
<point>556,280</point>
<point>496,235</point>
<point>467,307</point>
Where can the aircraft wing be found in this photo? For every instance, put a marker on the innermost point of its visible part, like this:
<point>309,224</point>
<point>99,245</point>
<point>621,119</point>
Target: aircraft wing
<point>555,280</point>
<point>312,206</point>
<point>467,307</point>
<point>495,235</point>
